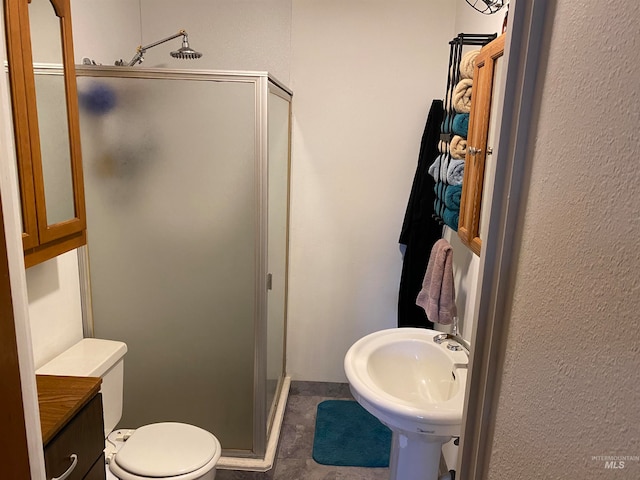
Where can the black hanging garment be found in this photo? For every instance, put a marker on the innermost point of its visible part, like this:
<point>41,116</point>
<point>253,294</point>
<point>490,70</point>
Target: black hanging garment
<point>420,231</point>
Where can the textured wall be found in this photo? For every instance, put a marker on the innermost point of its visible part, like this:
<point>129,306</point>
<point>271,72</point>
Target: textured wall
<point>571,385</point>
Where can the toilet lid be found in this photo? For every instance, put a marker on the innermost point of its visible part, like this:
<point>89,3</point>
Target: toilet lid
<point>166,449</point>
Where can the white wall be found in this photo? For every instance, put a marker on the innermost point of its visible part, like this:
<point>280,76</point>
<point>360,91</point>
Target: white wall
<point>55,313</point>
<point>232,35</point>
<point>569,390</point>
<point>105,30</point>
<point>469,20</point>
<point>466,272</point>
<point>364,74</point>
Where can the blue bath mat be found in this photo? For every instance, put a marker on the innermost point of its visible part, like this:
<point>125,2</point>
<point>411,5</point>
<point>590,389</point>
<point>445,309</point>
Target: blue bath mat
<point>349,436</point>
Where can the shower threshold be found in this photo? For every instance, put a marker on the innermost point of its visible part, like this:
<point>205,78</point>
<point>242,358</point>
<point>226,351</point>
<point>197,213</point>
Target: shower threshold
<point>266,463</point>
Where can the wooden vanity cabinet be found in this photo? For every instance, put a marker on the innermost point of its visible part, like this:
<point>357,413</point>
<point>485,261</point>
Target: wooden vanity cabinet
<point>72,427</point>
<point>46,125</point>
<point>478,143</point>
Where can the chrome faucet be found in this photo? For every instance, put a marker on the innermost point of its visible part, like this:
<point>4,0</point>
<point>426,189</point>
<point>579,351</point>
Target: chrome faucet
<point>461,343</point>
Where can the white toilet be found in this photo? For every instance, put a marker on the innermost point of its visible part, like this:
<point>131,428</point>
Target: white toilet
<point>160,451</point>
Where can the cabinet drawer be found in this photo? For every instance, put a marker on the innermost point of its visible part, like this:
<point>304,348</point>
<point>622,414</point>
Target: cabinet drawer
<point>82,436</point>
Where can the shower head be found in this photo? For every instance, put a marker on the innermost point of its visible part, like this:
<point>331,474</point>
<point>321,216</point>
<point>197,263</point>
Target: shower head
<point>186,51</point>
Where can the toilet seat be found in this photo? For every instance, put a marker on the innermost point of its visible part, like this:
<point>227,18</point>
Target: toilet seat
<point>169,450</point>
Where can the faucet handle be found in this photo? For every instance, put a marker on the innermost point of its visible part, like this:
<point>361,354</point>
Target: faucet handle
<point>441,338</point>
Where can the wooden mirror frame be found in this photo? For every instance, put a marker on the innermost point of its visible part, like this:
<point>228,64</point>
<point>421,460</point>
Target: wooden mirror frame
<point>473,181</point>
<point>42,241</point>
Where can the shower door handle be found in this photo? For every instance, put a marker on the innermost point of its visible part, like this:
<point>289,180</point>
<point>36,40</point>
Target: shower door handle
<point>269,281</point>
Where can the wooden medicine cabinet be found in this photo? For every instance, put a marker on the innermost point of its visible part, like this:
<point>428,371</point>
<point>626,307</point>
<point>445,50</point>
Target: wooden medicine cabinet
<point>46,125</point>
<point>479,167</point>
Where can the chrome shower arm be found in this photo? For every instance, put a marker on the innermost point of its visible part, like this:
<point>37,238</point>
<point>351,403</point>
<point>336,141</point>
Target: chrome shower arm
<point>155,44</point>
<point>139,56</point>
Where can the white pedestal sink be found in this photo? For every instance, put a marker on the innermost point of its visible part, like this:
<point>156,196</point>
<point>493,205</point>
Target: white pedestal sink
<point>415,386</point>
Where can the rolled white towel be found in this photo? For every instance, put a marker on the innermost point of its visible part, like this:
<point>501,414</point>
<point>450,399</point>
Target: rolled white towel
<point>468,63</point>
<point>462,96</point>
<point>458,147</point>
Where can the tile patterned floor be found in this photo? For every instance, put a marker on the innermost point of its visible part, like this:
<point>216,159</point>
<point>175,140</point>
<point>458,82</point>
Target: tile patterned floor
<point>294,460</point>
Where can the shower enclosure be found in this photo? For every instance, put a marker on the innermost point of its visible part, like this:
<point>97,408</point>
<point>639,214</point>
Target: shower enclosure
<point>186,184</point>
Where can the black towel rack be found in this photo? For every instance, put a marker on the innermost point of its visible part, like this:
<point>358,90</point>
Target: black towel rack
<point>453,77</point>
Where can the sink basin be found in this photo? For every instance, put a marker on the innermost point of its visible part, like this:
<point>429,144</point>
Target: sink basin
<point>416,387</point>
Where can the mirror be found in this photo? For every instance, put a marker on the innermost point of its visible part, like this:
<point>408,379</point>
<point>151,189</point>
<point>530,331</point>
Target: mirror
<point>46,126</point>
<point>479,165</point>
<point>53,122</point>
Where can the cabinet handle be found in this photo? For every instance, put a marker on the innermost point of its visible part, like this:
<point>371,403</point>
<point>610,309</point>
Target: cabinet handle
<point>74,462</point>
<point>474,150</point>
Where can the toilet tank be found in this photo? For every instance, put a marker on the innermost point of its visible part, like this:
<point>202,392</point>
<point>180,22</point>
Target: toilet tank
<point>93,357</point>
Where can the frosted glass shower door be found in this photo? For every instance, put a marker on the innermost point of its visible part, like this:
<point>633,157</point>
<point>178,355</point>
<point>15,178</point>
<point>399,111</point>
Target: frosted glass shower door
<point>171,215</point>
<point>278,201</point>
